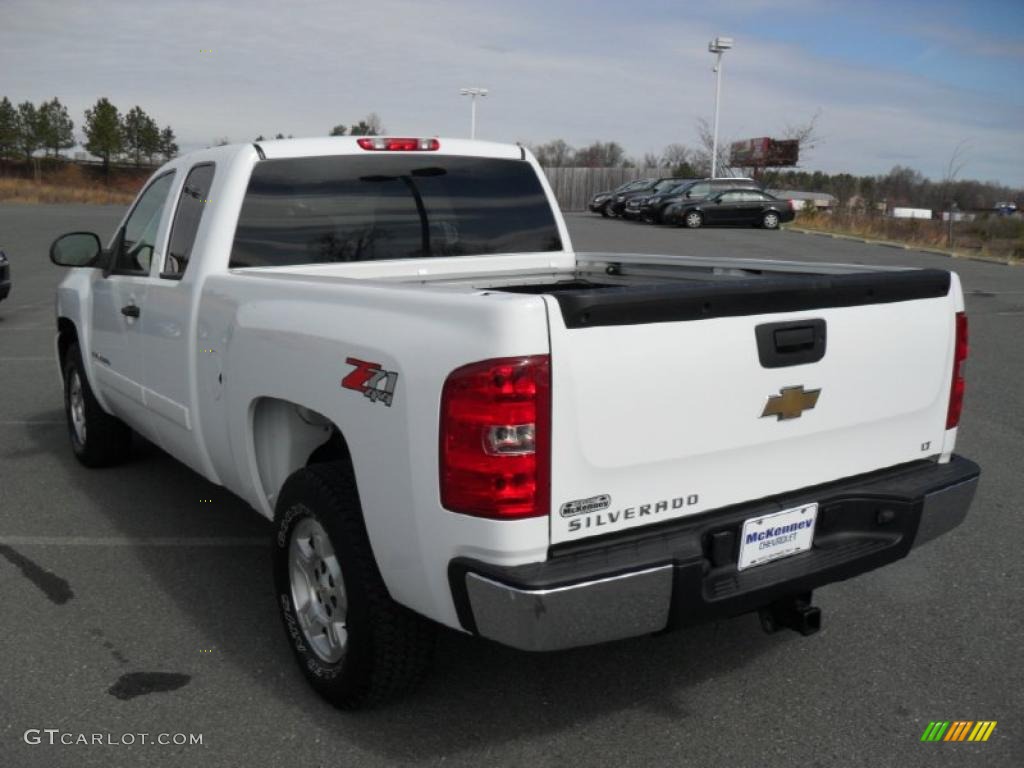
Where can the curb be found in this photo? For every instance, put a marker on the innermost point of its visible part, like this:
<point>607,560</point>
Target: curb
<point>904,246</point>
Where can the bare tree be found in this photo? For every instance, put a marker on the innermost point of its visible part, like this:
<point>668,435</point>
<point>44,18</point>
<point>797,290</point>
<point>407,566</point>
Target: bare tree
<point>957,161</point>
<point>602,154</point>
<point>675,155</point>
<point>701,159</point>
<point>806,134</point>
<point>650,160</point>
<point>554,154</point>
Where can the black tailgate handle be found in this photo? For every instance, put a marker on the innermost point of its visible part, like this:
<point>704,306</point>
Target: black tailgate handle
<point>794,343</point>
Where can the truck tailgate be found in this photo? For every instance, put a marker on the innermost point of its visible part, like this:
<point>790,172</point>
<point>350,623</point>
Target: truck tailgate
<point>665,403</point>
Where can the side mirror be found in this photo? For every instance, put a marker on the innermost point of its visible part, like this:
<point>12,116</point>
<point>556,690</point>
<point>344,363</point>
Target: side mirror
<point>76,249</point>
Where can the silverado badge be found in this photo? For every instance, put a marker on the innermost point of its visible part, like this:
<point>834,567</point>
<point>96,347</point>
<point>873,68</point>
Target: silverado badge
<point>791,402</point>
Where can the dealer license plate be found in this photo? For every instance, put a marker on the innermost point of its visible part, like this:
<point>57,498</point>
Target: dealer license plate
<point>777,535</point>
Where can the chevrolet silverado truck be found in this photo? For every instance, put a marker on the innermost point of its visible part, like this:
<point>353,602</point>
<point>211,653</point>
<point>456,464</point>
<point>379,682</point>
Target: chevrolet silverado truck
<point>389,348</point>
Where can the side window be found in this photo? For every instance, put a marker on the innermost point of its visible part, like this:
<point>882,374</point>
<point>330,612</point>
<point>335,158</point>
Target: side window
<point>700,190</point>
<point>194,197</point>
<point>134,247</point>
<point>733,197</point>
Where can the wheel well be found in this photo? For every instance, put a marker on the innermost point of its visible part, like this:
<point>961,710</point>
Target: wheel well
<point>287,437</point>
<point>67,335</point>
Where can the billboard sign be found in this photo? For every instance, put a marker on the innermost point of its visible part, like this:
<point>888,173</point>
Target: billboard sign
<point>764,152</point>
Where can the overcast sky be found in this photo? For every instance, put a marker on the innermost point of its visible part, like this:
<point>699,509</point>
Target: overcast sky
<point>896,82</point>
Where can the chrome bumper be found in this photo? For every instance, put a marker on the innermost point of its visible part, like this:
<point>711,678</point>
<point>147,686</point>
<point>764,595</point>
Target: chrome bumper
<point>580,614</point>
<point>670,579</point>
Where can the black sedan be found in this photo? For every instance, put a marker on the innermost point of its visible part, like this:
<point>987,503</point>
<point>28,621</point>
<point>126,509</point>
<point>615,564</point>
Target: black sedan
<point>734,206</point>
<point>628,206</point>
<point>651,207</point>
<point>5,276</point>
<point>601,202</point>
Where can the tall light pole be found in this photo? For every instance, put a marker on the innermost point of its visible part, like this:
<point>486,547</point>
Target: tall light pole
<point>718,46</point>
<point>472,93</point>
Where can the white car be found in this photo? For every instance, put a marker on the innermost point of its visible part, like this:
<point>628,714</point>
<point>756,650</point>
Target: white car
<point>389,347</point>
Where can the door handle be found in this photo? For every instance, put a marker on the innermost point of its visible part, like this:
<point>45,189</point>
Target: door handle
<point>794,343</point>
<point>131,310</point>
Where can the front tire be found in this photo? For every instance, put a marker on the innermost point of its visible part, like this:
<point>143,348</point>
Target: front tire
<point>97,438</point>
<point>770,220</point>
<point>604,211</point>
<point>693,220</point>
<point>355,645</point>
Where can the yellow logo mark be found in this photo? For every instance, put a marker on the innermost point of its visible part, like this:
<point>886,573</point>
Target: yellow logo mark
<point>790,403</point>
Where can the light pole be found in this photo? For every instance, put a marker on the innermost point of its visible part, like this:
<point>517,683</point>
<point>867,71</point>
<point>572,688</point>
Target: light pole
<point>472,93</point>
<point>718,46</point>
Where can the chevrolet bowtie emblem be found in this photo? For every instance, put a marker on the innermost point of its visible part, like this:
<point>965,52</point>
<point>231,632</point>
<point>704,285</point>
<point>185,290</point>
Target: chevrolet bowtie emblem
<point>791,402</point>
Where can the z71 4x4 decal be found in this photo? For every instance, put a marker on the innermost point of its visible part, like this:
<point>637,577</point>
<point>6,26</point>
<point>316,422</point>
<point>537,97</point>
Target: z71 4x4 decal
<point>370,379</point>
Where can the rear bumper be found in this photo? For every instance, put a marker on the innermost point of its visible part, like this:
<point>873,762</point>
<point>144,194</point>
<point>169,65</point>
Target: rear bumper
<point>685,572</point>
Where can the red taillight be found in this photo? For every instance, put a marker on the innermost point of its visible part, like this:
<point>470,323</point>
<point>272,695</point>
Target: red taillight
<point>496,438</point>
<point>387,144</point>
<point>956,391</point>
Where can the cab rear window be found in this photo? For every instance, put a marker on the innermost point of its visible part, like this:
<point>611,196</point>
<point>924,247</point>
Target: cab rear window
<point>351,208</point>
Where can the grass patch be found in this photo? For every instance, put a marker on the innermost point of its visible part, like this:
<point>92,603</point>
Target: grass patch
<point>997,237</point>
<point>69,185</point>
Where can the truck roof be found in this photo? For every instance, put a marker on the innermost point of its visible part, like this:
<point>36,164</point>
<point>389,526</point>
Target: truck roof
<point>347,145</point>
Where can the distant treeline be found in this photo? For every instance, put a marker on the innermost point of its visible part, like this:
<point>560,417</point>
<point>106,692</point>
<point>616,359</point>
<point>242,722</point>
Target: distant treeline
<point>133,137</point>
<point>901,186</point>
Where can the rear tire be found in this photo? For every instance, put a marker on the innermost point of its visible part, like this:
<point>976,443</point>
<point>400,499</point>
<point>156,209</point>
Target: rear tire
<point>770,220</point>
<point>97,438</point>
<point>355,645</point>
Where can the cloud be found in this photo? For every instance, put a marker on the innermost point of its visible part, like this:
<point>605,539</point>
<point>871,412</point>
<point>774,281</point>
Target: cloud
<point>608,73</point>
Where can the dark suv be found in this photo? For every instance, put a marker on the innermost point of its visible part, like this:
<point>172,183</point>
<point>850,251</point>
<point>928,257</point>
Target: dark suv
<point>5,276</point>
<point>629,206</point>
<point>601,201</point>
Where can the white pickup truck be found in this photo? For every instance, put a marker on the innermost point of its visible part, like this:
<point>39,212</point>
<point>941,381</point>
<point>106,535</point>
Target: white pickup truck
<point>389,347</point>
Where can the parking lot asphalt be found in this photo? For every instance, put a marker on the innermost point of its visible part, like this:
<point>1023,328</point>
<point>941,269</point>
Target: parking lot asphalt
<point>138,599</point>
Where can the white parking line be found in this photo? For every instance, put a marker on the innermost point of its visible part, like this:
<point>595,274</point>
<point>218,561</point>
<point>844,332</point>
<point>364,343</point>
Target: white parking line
<point>20,423</point>
<point>126,541</point>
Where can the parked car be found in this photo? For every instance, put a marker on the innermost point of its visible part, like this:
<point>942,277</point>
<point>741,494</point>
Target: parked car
<point>631,206</point>
<point>650,207</point>
<point>703,188</point>
<point>389,347</point>
<point>734,206</point>
<point>599,202</point>
<point>5,276</point>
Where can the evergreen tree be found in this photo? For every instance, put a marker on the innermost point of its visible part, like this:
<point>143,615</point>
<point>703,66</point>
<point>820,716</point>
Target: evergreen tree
<point>167,146</point>
<point>133,129</point>
<point>9,143</point>
<point>28,129</point>
<point>103,136</point>
<point>150,139</point>
<point>57,130</point>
